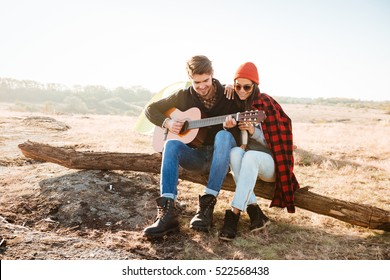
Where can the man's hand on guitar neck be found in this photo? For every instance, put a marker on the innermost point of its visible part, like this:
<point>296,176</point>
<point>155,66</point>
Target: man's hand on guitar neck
<point>229,122</point>
<point>174,126</point>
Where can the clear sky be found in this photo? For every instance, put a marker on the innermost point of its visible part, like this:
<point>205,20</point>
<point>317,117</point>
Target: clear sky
<point>303,48</point>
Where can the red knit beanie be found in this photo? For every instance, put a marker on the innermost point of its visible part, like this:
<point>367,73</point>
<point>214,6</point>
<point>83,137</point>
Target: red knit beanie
<point>247,71</point>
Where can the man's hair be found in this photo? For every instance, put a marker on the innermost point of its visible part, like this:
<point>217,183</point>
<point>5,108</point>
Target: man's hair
<point>198,65</point>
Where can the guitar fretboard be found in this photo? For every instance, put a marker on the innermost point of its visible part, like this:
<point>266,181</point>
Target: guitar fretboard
<point>209,121</point>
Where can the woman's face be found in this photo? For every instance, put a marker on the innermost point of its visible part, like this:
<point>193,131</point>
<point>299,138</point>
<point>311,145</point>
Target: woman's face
<point>243,88</point>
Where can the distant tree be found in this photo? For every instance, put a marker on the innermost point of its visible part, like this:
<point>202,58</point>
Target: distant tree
<point>74,104</point>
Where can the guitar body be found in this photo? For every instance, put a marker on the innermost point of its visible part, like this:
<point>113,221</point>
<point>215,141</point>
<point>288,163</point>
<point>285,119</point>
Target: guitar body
<point>161,135</point>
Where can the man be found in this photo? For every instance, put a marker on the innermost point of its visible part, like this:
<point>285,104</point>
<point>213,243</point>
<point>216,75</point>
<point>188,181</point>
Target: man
<point>206,94</point>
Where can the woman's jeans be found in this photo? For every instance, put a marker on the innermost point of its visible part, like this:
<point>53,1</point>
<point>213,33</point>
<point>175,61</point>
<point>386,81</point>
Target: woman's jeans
<point>208,158</point>
<point>246,167</point>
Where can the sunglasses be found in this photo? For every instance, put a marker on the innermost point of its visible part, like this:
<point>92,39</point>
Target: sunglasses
<point>246,88</point>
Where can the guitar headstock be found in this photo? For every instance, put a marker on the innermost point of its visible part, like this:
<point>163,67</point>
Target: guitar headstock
<point>253,116</point>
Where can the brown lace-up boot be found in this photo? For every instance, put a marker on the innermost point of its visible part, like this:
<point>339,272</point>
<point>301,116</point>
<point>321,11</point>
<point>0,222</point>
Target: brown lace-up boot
<point>203,219</point>
<point>257,217</point>
<point>229,230</point>
<point>166,220</point>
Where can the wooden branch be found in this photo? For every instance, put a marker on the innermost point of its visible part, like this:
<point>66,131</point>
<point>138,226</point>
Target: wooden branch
<point>353,213</point>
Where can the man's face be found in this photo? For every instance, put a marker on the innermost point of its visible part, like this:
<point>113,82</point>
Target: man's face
<point>202,83</point>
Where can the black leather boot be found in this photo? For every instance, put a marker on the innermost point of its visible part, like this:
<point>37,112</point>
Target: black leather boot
<point>257,217</point>
<point>204,216</point>
<point>166,220</point>
<point>229,229</point>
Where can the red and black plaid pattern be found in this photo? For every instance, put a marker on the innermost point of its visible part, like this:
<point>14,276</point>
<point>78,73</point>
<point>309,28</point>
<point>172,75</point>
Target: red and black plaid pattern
<point>278,133</point>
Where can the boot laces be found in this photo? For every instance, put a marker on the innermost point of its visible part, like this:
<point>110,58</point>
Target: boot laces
<point>205,206</point>
<point>163,210</point>
<point>160,212</point>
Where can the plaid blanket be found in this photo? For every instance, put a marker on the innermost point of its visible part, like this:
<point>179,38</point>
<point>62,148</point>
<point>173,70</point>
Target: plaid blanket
<point>278,134</point>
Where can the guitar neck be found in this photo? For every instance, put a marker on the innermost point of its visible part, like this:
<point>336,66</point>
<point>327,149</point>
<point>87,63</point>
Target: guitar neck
<point>208,121</point>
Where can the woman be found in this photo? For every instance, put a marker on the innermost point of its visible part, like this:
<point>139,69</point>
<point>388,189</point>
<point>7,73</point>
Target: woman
<point>267,155</point>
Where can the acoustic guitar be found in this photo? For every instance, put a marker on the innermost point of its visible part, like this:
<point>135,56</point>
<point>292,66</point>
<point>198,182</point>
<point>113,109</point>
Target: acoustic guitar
<point>191,133</point>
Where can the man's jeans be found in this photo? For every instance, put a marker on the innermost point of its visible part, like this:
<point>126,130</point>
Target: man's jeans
<point>246,167</point>
<point>209,158</point>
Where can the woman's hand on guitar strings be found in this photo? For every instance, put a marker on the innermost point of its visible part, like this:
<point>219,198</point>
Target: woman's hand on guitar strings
<point>247,126</point>
<point>229,122</point>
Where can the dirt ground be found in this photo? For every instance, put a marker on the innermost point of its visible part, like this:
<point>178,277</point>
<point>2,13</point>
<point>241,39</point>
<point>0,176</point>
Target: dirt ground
<point>48,211</point>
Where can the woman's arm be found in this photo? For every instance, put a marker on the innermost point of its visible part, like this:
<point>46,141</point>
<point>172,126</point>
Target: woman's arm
<point>258,136</point>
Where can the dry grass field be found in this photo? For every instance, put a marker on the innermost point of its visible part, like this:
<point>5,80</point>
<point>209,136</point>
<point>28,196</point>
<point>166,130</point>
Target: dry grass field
<point>48,211</point>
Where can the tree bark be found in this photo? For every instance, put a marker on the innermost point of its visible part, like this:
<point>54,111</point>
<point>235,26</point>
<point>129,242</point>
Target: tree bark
<point>353,213</point>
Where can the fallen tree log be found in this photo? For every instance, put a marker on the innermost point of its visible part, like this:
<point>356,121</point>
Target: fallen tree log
<point>353,213</point>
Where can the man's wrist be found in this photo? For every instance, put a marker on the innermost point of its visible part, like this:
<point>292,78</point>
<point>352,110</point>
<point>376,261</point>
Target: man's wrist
<point>165,122</point>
